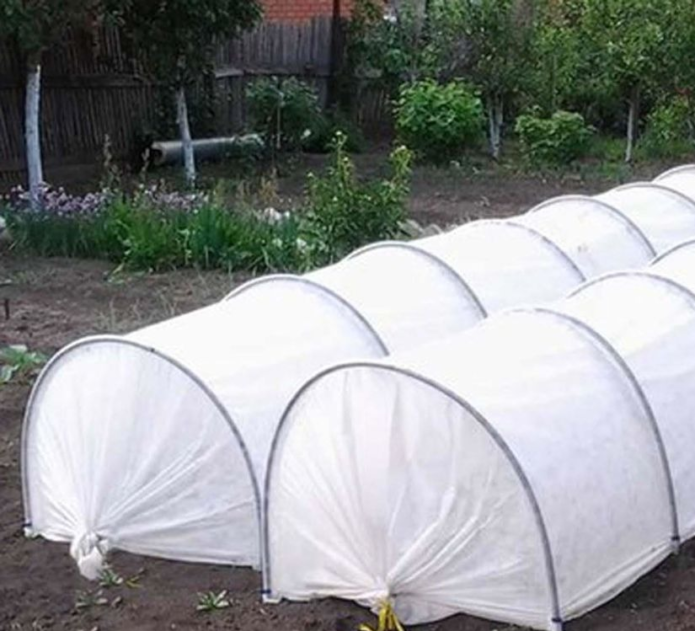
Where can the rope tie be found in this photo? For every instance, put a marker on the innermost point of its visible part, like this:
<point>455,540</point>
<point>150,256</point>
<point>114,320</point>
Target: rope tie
<point>388,621</point>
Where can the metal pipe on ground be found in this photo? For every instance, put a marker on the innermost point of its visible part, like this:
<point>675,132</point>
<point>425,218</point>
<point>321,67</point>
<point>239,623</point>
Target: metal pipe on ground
<point>166,152</point>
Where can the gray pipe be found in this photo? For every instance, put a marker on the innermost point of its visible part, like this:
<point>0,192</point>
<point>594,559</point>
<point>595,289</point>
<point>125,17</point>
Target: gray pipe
<point>164,152</point>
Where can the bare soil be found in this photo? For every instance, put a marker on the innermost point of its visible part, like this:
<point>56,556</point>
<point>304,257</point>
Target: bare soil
<point>53,302</point>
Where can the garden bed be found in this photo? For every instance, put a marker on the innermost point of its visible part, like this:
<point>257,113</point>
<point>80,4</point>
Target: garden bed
<point>54,301</point>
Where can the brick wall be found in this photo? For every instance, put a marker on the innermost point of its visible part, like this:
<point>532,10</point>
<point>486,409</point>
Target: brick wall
<point>299,10</point>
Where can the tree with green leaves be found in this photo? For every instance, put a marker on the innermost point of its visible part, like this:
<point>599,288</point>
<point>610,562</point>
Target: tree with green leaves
<point>632,46</point>
<point>33,26</point>
<point>177,40</point>
<point>498,33</point>
<point>556,59</point>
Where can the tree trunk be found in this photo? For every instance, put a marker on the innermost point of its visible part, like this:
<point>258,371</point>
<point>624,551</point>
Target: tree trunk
<point>495,114</point>
<point>32,131</point>
<point>185,133</point>
<point>632,118</point>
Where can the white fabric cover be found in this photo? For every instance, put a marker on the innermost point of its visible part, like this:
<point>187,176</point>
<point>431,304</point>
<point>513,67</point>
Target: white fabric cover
<point>107,410</point>
<point>681,179</point>
<point>409,500</point>
<point>235,365</point>
<point>665,216</point>
<point>594,235</point>
<point>125,446</point>
<point>651,323</point>
<point>408,296</point>
<point>678,264</point>
<point>505,264</point>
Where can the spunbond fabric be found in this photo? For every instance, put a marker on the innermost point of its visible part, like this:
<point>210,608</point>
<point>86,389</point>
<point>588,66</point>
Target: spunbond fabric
<point>681,179</point>
<point>408,295</point>
<point>250,353</point>
<point>654,331</point>
<point>665,228</point>
<point>151,465</point>
<point>153,443</point>
<point>574,438</point>
<point>595,235</point>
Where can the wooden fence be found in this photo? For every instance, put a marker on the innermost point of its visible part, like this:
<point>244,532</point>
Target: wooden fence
<point>91,90</point>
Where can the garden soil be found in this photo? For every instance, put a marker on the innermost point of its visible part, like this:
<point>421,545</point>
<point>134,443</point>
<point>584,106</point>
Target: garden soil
<point>52,302</point>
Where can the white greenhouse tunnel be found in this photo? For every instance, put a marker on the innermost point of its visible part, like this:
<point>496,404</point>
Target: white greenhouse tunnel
<point>526,470</point>
<point>681,179</point>
<point>183,412</point>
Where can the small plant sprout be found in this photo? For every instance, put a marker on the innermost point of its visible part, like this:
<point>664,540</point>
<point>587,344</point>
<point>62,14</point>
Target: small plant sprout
<point>109,578</point>
<point>133,582</point>
<point>210,601</point>
<point>88,599</point>
<point>18,362</point>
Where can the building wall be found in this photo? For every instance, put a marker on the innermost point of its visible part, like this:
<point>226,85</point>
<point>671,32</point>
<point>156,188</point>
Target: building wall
<point>300,10</point>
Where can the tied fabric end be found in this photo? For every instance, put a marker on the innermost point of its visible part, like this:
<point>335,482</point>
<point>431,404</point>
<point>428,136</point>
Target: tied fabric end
<point>387,621</point>
<point>89,552</point>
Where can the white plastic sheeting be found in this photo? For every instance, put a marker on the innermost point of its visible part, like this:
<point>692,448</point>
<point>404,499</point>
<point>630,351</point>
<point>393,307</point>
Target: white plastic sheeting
<point>527,470</point>
<point>246,356</point>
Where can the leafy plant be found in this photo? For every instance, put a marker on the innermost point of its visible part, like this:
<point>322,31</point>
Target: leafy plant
<point>18,362</point>
<point>285,111</point>
<point>669,130</point>
<point>343,214</point>
<point>210,601</point>
<point>323,133</point>
<point>438,121</point>
<point>109,578</point>
<point>631,46</point>
<point>557,140</point>
<point>89,599</point>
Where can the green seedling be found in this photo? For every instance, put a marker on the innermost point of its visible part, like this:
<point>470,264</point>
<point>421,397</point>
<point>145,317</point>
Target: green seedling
<point>109,578</point>
<point>210,601</point>
<point>87,600</point>
<point>18,362</point>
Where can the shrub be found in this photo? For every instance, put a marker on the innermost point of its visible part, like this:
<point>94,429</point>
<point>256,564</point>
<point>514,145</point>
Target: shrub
<point>438,121</point>
<point>323,133</point>
<point>343,214</point>
<point>284,111</point>
<point>668,132</point>
<point>557,140</point>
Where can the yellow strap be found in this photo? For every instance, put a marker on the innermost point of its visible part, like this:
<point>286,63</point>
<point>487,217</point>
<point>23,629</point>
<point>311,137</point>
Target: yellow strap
<point>388,621</point>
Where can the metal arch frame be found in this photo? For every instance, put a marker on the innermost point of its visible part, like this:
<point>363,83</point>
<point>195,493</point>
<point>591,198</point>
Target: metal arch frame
<point>601,342</point>
<point>659,187</point>
<point>429,256</point>
<point>333,295</point>
<point>631,225</point>
<point>665,280</point>
<point>674,170</point>
<point>675,248</point>
<point>187,372</point>
<point>496,437</point>
<point>513,222</point>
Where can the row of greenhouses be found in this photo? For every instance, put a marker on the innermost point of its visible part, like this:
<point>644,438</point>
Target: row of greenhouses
<point>496,420</point>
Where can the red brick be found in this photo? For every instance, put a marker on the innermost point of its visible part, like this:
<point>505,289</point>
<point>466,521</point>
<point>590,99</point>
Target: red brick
<point>299,10</point>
